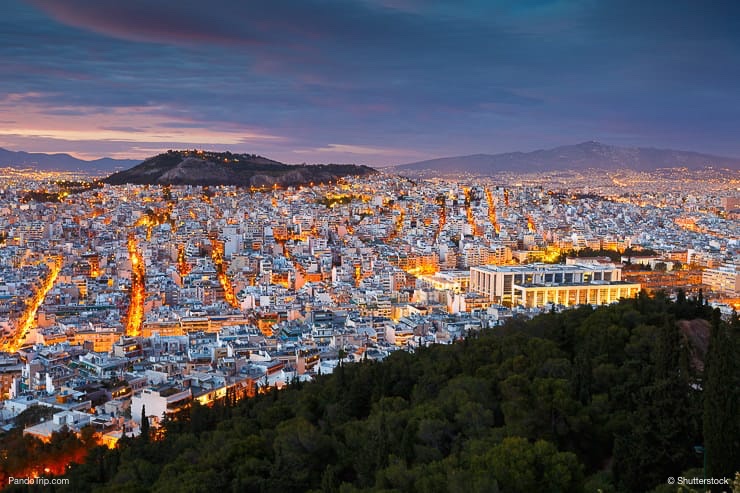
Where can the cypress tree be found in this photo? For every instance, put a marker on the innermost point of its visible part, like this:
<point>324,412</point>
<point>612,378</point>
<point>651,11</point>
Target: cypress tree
<point>667,350</point>
<point>721,401</point>
<point>144,424</point>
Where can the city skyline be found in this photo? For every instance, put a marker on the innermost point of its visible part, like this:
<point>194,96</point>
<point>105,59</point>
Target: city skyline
<point>370,82</point>
<point>369,245</point>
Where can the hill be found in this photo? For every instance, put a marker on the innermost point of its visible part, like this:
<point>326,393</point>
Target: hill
<point>583,400</point>
<point>581,156</point>
<point>225,168</point>
<point>61,162</point>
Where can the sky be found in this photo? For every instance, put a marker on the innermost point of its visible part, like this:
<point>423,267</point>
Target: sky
<point>373,82</point>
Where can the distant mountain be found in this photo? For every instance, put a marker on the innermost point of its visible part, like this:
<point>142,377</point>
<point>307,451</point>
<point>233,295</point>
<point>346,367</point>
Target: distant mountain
<point>225,168</point>
<point>580,156</point>
<point>61,162</point>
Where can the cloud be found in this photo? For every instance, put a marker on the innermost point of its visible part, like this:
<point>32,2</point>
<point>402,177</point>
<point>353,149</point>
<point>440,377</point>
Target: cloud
<point>426,76</point>
<point>356,149</point>
<point>119,135</point>
<point>114,128</point>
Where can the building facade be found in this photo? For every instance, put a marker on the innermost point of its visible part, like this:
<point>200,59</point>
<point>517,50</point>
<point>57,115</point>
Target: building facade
<point>724,279</point>
<point>534,285</point>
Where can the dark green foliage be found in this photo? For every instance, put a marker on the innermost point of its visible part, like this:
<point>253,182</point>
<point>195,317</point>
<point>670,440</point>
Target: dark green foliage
<point>63,189</point>
<point>614,255</point>
<point>33,415</point>
<point>210,168</point>
<point>24,455</point>
<point>145,429</point>
<point>721,401</point>
<point>604,398</point>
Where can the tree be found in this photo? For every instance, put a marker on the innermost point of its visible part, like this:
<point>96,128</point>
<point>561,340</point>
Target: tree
<point>722,401</point>
<point>664,424</point>
<point>145,431</point>
<point>530,407</point>
<point>520,466</point>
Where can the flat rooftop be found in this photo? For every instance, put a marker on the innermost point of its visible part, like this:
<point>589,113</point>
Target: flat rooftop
<point>541,267</point>
<point>595,284</point>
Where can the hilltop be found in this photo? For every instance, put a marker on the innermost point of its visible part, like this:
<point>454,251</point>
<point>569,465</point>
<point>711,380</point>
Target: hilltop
<point>586,155</point>
<point>224,168</point>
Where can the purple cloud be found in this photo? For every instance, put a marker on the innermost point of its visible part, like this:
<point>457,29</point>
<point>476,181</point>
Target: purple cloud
<point>435,77</point>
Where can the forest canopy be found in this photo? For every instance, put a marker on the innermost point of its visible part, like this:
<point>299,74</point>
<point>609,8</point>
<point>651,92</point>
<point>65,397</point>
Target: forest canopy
<point>616,398</point>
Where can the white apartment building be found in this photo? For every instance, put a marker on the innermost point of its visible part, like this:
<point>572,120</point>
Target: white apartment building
<point>538,284</point>
<point>725,279</point>
<point>159,402</point>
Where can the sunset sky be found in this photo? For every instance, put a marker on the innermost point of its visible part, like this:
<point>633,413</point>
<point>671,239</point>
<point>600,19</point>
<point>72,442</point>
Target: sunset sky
<point>367,81</point>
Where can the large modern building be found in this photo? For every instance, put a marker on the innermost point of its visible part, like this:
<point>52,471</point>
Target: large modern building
<point>724,279</point>
<point>538,284</point>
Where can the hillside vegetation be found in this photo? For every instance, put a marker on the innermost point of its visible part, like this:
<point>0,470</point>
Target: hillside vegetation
<point>588,399</point>
<point>224,168</point>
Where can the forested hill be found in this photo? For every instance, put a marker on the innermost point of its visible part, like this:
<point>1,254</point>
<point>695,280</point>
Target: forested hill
<point>194,167</point>
<point>586,399</point>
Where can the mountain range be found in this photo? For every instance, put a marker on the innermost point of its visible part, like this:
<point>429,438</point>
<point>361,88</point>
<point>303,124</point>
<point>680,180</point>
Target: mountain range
<point>577,157</point>
<point>586,155</point>
<point>61,162</point>
<point>225,168</point>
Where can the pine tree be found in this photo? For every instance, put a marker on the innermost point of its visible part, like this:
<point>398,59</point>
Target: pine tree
<point>661,435</point>
<point>681,297</point>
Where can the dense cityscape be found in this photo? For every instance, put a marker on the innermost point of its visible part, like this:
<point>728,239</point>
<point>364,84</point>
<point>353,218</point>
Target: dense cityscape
<point>343,246</point>
<point>187,293</point>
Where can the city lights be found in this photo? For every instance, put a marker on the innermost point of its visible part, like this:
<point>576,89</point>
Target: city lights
<point>135,315</point>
